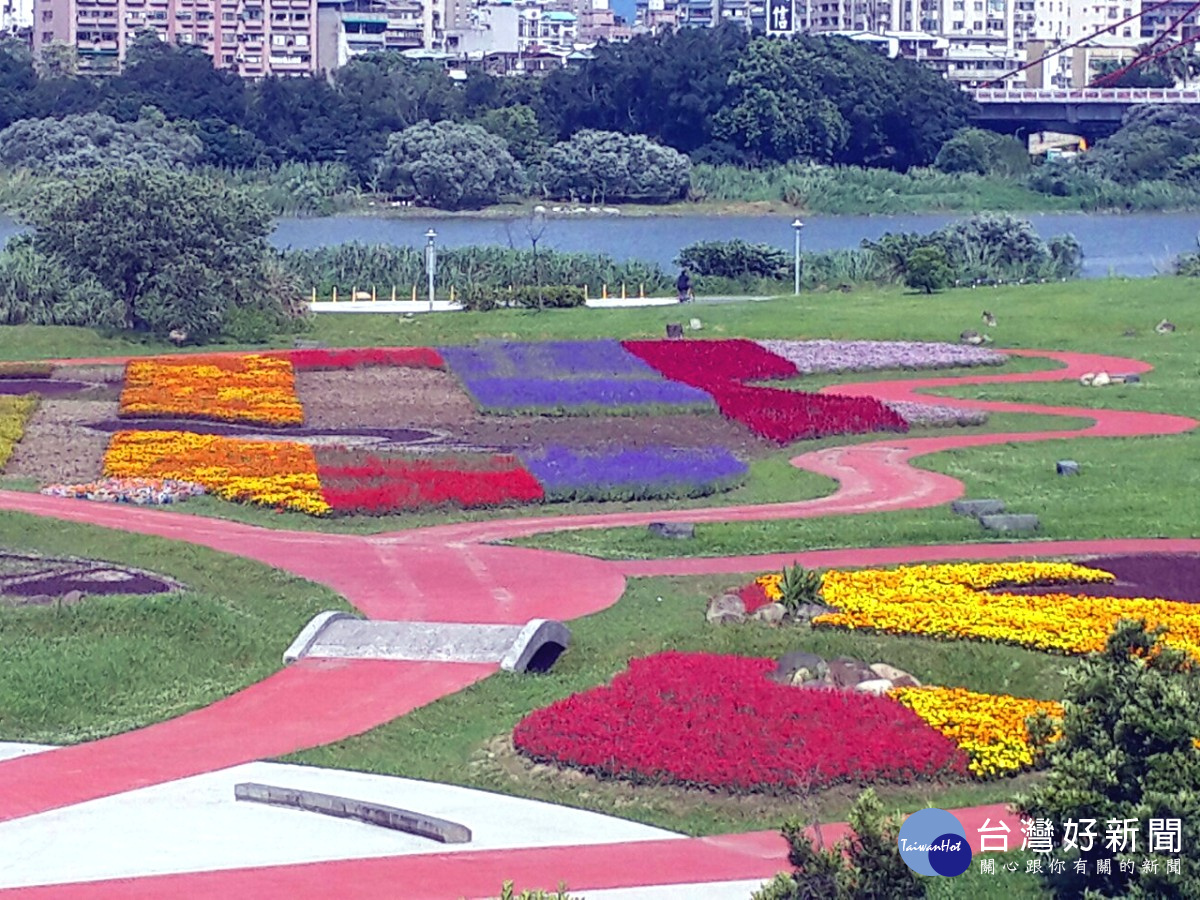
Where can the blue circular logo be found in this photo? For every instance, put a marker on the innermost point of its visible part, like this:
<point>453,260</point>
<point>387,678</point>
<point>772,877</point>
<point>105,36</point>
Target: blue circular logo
<point>934,842</point>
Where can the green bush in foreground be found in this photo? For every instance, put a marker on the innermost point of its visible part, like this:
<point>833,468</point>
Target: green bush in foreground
<point>1127,752</point>
<point>865,866</point>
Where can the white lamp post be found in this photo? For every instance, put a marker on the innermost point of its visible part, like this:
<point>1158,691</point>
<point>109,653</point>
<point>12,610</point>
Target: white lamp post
<point>797,227</point>
<point>430,261</point>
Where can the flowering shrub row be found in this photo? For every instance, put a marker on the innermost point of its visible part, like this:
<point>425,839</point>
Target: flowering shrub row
<point>711,721</point>
<point>566,378</point>
<point>354,481</point>
<point>282,474</point>
<point>635,474</point>
<point>15,412</point>
<point>358,357</point>
<point>140,491</point>
<point>722,367</point>
<point>990,728</point>
<point>935,415</point>
<point>810,357</point>
<point>25,369</point>
<point>247,388</point>
<point>954,601</point>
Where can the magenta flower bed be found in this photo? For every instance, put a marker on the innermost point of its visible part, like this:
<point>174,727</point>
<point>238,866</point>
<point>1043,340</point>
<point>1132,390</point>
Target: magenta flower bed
<point>712,721</point>
<point>722,367</point>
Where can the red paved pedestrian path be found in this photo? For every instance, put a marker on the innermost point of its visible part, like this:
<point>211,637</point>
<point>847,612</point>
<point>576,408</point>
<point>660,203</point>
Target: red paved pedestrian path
<point>450,573</point>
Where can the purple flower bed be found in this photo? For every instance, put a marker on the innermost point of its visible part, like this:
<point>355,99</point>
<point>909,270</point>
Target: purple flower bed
<point>567,378</point>
<point>575,396</point>
<point>634,474</point>
<point>933,415</point>
<point>811,357</point>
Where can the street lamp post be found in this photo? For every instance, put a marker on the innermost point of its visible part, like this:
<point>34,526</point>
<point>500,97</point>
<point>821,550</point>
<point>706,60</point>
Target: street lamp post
<point>797,226</point>
<point>430,261</point>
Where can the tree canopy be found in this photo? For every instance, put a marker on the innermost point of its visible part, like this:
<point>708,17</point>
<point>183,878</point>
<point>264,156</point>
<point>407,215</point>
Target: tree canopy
<point>172,251</point>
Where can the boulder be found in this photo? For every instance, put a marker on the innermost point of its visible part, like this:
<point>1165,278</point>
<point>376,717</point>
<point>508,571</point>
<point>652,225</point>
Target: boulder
<point>846,672</point>
<point>1008,522</point>
<point>1128,379</point>
<point>813,684</point>
<point>804,676</point>
<point>806,611</point>
<point>891,673</point>
<point>977,507</point>
<point>675,330</point>
<point>790,663</point>
<point>1087,378</point>
<point>876,686</point>
<point>905,681</point>
<point>726,609</point>
<point>1102,379</point>
<point>675,530</point>
<point>1066,467</point>
<point>70,598</point>
<point>772,613</point>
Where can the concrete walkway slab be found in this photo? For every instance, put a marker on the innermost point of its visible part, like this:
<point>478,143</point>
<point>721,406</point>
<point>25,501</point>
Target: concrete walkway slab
<point>196,825</point>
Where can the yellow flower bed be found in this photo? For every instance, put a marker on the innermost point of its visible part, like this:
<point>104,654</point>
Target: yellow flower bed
<point>14,415</point>
<point>282,474</point>
<point>249,388</point>
<point>989,728</point>
<point>950,601</point>
<point>772,586</point>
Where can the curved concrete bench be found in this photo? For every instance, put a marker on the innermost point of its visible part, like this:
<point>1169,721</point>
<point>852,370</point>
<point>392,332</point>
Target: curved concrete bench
<point>431,827</point>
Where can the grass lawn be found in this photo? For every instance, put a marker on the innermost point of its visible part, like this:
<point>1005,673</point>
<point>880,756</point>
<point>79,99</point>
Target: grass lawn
<point>116,663</point>
<point>463,739</point>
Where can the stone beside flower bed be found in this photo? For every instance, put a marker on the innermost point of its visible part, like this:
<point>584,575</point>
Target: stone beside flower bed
<point>138,491</point>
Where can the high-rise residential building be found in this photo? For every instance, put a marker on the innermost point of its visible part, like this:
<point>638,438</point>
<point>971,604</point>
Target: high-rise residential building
<point>251,37</point>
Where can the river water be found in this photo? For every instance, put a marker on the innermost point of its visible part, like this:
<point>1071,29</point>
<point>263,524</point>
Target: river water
<point>1137,244</point>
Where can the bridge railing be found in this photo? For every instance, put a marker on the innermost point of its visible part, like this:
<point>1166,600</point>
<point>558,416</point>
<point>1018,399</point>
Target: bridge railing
<point>1087,95</point>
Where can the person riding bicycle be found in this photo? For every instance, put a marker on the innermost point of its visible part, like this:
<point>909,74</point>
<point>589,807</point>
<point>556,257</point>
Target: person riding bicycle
<point>683,284</point>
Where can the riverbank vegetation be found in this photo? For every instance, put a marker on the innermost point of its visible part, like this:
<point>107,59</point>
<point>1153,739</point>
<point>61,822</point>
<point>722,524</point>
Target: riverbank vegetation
<point>717,119</point>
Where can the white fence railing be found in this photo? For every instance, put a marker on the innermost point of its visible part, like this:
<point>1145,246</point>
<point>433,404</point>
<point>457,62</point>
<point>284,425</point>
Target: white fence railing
<point>1087,95</point>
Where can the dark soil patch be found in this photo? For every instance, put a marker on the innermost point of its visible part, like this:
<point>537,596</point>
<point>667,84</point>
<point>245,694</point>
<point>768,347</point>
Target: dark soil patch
<point>56,448</point>
<point>383,397</point>
<point>233,429</point>
<point>31,579</point>
<point>1168,576</point>
<point>514,433</point>
<point>47,387</point>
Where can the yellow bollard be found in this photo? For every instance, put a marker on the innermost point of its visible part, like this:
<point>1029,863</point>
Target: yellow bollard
<point>393,293</point>
<point>604,292</point>
<point>642,291</point>
<point>314,295</point>
<point>585,293</point>
<point>335,293</point>
<point>373,297</point>
<point>414,296</point>
<point>451,293</point>
<point>622,290</point>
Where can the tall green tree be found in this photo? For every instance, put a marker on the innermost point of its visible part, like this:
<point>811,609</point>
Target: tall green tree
<point>449,165</point>
<point>176,251</point>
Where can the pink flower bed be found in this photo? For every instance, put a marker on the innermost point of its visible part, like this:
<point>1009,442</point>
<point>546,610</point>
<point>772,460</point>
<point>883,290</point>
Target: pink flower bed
<point>405,357</point>
<point>716,722</point>
<point>722,367</point>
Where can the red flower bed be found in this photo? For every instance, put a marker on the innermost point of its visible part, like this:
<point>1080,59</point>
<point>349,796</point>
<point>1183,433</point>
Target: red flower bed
<point>357,482</point>
<point>406,357</point>
<point>753,596</point>
<point>721,367</point>
<point>704,720</point>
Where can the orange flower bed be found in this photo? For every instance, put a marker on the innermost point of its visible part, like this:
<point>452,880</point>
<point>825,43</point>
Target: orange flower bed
<point>247,388</point>
<point>282,474</point>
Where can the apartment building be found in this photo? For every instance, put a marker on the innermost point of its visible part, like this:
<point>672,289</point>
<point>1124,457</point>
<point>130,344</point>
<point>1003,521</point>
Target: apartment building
<point>251,37</point>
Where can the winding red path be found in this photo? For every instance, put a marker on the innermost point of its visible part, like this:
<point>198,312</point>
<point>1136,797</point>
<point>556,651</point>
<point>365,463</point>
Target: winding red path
<point>452,573</point>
